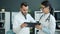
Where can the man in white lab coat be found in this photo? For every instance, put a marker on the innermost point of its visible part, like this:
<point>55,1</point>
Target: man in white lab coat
<point>19,27</point>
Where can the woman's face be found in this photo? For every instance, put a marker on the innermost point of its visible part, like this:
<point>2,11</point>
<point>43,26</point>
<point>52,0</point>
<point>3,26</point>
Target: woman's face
<point>45,9</point>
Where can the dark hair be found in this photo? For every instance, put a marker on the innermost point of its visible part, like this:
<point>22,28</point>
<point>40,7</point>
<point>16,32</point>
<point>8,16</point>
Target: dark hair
<point>24,4</point>
<point>46,4</point>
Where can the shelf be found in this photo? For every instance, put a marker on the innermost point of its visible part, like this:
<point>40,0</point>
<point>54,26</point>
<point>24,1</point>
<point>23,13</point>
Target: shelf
<point>2,20</point>
<point>2,28</point>
<point>57,20</point>
<point>56,11</point>
<point>57,29</point>
<point>2,12</point>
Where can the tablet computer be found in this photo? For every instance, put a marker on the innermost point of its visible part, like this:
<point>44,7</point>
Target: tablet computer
<point>31,24</point>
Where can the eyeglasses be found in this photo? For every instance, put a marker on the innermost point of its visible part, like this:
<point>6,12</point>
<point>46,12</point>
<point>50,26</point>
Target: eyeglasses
<point>43,7</point>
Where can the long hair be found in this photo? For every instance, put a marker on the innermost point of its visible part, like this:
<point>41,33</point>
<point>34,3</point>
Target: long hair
<point>46,4</point>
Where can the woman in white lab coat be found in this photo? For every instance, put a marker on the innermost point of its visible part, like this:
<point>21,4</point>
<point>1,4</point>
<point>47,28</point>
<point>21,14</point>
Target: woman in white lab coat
<point>19,27</point>
<point>47,20</point>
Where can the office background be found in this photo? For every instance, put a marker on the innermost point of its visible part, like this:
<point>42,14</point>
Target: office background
<point>14,5</point>
<point>34,5</point>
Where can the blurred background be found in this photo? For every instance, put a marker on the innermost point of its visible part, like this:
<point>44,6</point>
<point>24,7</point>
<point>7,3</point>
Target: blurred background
<point>9,8</point>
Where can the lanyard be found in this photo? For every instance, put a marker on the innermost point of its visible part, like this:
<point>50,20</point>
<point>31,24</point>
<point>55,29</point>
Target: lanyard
<point>24,15</point>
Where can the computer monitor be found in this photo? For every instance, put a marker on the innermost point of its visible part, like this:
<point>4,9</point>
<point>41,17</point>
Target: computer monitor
<point>57,15</point>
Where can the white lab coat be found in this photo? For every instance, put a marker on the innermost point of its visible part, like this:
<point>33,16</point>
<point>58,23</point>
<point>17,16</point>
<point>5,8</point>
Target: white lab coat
<point>18,20</point>
<point>48,27</point>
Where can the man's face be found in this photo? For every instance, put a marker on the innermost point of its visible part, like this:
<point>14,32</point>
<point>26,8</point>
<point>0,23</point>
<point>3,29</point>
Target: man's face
<point>24,9</point>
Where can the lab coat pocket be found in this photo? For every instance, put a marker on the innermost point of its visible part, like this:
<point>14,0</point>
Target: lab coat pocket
<point>25,30</point>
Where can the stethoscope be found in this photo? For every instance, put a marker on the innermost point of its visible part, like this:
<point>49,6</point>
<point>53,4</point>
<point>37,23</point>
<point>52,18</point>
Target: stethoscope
<point>48,18</point>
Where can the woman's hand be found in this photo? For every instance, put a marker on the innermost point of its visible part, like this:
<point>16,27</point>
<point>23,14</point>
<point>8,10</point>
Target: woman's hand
<point>38,27</point>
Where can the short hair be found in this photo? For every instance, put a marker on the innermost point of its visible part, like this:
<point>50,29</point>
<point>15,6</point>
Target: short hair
<point>24,4</point>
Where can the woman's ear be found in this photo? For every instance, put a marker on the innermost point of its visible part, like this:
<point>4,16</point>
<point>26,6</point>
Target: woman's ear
<point>49,8</point>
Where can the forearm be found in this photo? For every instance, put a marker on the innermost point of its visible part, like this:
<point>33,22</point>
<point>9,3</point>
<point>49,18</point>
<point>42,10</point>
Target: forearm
<point>46,30</point>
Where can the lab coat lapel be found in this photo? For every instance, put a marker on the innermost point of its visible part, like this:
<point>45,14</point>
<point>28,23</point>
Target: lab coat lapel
<point>22,16</point>
<point>25,29</point>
